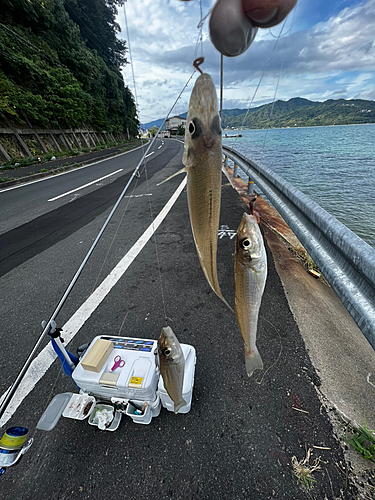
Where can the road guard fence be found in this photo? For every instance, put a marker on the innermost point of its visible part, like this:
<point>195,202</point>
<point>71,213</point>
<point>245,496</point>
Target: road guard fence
<point>347,262</point>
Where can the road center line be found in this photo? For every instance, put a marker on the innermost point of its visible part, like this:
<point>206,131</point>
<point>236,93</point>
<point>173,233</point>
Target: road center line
<point>152,152</point>
<point>85,185</point>
<point>69,171</point>
<point>47,356</point>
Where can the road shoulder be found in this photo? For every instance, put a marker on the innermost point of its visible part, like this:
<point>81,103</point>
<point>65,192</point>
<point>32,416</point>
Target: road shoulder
<point>340,353</point>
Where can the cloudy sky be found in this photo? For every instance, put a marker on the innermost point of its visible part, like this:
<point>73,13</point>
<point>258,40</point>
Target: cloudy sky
<point>326,51</point>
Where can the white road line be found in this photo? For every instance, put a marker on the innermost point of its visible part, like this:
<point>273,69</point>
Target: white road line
<point>161,145</point>
<point>152,152</point>
<point>138,195</point>
<point>47,356</point>
<point>85,185</point>
<point>69,171</point>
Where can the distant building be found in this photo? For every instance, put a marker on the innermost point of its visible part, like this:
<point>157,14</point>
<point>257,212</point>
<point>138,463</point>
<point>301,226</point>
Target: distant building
<point>173,123</point>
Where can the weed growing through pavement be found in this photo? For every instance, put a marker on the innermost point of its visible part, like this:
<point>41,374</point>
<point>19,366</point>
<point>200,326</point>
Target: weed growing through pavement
<point>303,469</point>
<point>363,441</point>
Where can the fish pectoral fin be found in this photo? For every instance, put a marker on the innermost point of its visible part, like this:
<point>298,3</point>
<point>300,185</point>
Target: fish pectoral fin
<point>173,175</point>
<point>179,405</point>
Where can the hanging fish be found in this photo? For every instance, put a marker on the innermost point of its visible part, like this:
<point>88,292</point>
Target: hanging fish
<point>203,160</point>
<point>250,273</point>
<point>172,366</point>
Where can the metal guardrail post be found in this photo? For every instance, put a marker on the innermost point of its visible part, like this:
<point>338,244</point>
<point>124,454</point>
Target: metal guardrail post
<point>250,186</point>
<point>235,171</point>
<point>347,262</point>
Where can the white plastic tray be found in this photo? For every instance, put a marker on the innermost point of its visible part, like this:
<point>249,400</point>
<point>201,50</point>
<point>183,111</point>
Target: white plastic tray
<point>80,406</point>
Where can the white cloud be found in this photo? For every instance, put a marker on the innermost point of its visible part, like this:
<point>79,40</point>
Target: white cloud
<point>333,59</point>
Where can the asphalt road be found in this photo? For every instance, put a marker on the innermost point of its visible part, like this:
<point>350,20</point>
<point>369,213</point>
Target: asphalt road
<point>239,438</point>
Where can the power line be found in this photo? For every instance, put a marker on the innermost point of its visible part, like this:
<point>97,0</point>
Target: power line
<point>99,44</point>
<point>24,41</point>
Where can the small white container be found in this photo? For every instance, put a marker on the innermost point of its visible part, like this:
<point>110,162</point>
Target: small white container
<point>187,390</point>
<point>145,418</point>
<point>80,406</point>
<point>99,407</point>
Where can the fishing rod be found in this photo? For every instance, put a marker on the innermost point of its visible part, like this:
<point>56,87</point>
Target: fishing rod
<point>50,324</point>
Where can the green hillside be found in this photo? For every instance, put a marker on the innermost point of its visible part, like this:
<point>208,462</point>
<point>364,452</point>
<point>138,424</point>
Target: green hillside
<point>300,112</point>
<point>60,65</point>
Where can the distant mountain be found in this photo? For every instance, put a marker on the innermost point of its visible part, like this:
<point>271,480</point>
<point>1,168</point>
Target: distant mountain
<point>297,112</point>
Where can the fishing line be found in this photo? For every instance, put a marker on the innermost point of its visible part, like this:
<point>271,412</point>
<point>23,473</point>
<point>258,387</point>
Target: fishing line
<point>114,237</point>
<point>9,395</point>
<point>143,154</point>
<point>260,80</point>
<point>145,164</point>
<point>157,254</point>
<point>201,27</point>
<point>273,104</point>
<point>278,81</point>
<point>122,324</point>
<point>278,357</point>
<point>200,32</point>
<point>60,304</point>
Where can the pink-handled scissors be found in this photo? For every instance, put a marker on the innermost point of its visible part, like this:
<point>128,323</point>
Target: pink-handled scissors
<point>119,363</point>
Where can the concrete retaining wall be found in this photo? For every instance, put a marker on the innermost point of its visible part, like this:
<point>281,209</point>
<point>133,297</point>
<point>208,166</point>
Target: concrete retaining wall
<point>21,143</point>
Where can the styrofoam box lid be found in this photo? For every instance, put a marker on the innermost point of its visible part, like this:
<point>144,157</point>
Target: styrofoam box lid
<point>190,360</point>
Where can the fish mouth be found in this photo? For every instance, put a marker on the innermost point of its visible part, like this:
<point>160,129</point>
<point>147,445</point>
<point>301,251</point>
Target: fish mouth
<point>208,142</point>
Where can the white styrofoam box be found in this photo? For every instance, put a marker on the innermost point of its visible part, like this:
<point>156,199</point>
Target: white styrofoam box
<point>139,357</point>
<point>187,390</point>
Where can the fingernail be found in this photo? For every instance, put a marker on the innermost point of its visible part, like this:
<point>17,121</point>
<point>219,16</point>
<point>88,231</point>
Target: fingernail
<point>259,16</point>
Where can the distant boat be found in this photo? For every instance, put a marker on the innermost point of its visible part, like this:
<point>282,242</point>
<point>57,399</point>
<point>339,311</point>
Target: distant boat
<point>226,136</point>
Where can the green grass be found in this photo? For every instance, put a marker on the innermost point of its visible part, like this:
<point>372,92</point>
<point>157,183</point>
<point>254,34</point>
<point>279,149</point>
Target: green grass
<point>363,442</point>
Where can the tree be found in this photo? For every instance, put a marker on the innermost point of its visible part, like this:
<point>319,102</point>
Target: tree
<point>152,131</point>
<point>58,74</point>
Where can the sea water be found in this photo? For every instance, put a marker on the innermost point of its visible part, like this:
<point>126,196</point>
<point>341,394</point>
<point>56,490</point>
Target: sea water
<point>333,165</point>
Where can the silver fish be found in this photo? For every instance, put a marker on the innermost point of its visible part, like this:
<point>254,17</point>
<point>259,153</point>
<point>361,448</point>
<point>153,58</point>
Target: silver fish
<point>250,274</point>
<point>172,366</point>
<point>203,161</point>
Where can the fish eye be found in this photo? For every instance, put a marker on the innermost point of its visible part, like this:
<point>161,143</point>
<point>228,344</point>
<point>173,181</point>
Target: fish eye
<point>216,125</point>
<point>245,244</point>
<point>167,352</point>
<point>195,128</point>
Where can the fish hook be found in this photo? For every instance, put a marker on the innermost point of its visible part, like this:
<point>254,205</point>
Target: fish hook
<point>197,63</point>
<point>252,211</point>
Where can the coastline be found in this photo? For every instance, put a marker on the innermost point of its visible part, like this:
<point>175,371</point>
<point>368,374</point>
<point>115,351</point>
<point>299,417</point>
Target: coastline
<point>292,128</point>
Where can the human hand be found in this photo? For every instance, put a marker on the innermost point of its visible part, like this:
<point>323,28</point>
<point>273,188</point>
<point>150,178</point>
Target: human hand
<point>234,23</point>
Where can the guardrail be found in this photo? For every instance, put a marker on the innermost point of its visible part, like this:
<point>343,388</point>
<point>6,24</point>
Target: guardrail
<point>347,262</point>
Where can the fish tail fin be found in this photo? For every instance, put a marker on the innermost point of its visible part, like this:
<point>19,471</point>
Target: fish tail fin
<point>173,175</point>
<point>179,405</point>
<point>214,282</point>
<point>253,361</point>
<point>222,298</point>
